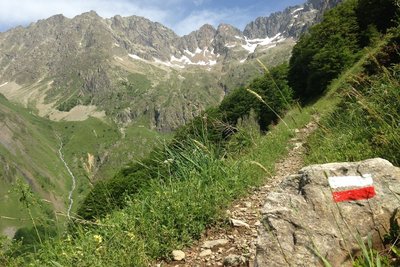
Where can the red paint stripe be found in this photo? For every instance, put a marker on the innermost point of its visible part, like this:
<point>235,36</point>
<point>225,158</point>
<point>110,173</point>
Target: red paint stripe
<point>355,194</point>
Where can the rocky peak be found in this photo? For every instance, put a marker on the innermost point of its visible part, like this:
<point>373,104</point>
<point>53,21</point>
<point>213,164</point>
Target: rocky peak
<point>227,35</point>
<point>138,35</point>
<point>200,39</point>
<point>228,30</point>
<point>56,19</point>
<point>321,4</point>
<point>206,31</point>
<point>88,15</point>
<point>292,22</point>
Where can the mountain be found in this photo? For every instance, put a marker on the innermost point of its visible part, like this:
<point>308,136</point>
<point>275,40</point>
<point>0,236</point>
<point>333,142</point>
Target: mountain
<point>108,89</point>
<point>291,22</point>
<point>127,68</point>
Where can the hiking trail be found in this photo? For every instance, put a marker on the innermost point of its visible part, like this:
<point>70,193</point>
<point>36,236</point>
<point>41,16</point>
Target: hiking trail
<point>236,245</point>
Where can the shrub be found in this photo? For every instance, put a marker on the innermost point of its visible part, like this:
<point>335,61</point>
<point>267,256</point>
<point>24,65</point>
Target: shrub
<point>328,49</point>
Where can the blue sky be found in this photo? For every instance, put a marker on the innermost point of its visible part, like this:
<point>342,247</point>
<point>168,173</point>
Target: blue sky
<point>183,16</point>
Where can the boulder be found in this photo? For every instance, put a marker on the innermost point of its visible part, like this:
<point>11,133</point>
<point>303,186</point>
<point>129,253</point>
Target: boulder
<point>306,215</point>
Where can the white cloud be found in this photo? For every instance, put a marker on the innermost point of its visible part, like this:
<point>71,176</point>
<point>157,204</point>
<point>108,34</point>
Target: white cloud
<point>25,11</point>
<point>176,14</point>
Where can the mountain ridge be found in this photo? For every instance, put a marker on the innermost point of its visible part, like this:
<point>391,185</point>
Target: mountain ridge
<point>81,62</point>
<point>136,78</point>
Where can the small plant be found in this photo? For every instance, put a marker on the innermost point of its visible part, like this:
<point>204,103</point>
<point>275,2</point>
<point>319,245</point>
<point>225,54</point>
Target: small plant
<point>369,256</point>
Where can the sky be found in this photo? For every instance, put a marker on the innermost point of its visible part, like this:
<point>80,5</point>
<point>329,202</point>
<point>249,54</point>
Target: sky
<point>182,16</point>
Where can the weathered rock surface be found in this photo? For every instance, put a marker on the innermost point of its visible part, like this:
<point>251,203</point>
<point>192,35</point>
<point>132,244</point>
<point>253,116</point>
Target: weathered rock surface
<point>215,243</point>
<point>178,255</point>
<point>234,260</point>
<point>239,223</point>
<point>205,253</point>
<point>300,216</point>
<point>291,22</point>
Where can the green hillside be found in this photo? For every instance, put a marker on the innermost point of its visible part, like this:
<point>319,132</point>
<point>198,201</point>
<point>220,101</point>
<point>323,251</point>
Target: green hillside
<point>29,152</point>
<point>345,72</point>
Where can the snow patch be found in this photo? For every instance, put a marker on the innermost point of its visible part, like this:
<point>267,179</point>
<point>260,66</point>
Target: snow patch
<point>297,10</point>
<point>117,45</point>
<point>243,60</point>
<point>250,47</point>
<point>159,61</point>
<point>189,53</point>
<point>185,60</point>
<point>136,57</point>
<point>230,45</point>
<point>3,84</point>
<point>182,61</point>
<point>212,62</point>
<point>251,44</point>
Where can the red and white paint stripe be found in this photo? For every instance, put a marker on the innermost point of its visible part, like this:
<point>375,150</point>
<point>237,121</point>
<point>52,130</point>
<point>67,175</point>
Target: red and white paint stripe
<point>348,188</point>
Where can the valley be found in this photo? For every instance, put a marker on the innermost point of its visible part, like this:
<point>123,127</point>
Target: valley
<point>125,144</point>
<point>30,148</point>
<point>85,96</point>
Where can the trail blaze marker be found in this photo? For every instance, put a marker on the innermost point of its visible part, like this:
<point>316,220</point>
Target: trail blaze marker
<point>348,188</point>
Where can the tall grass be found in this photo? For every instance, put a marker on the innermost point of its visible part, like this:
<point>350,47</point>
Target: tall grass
<point>365,124</point>
<point>175,209</point>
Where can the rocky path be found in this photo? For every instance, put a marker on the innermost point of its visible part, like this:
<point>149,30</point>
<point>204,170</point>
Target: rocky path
<point>235,245</point>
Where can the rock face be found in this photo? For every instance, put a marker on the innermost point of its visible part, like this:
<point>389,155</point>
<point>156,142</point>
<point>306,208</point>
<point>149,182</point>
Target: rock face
<point>301,218</point>
<point>292,22</point>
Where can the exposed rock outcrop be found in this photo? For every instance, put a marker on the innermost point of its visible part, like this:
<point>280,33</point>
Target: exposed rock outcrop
<point>301,219</point>
<point>291,22</point>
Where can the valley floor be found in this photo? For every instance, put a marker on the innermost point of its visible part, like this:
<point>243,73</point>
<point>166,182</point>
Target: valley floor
<point>235,243</point>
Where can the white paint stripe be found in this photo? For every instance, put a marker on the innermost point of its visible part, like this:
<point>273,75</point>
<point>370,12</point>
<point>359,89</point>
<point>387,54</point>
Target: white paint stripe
<point>346,181</point>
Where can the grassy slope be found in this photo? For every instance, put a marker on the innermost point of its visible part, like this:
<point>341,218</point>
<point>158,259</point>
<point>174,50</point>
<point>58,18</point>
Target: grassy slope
<point>36,143</point>
<point>171,214</point>
<point>365,124</point>
<point>103,139</point>
<point>34,159</point>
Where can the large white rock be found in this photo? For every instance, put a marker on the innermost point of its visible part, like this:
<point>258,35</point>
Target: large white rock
<point>178,255</point>
<point>301,218</point>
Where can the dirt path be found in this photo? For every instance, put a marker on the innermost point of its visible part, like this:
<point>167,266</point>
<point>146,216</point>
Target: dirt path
<point>236,245</point>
